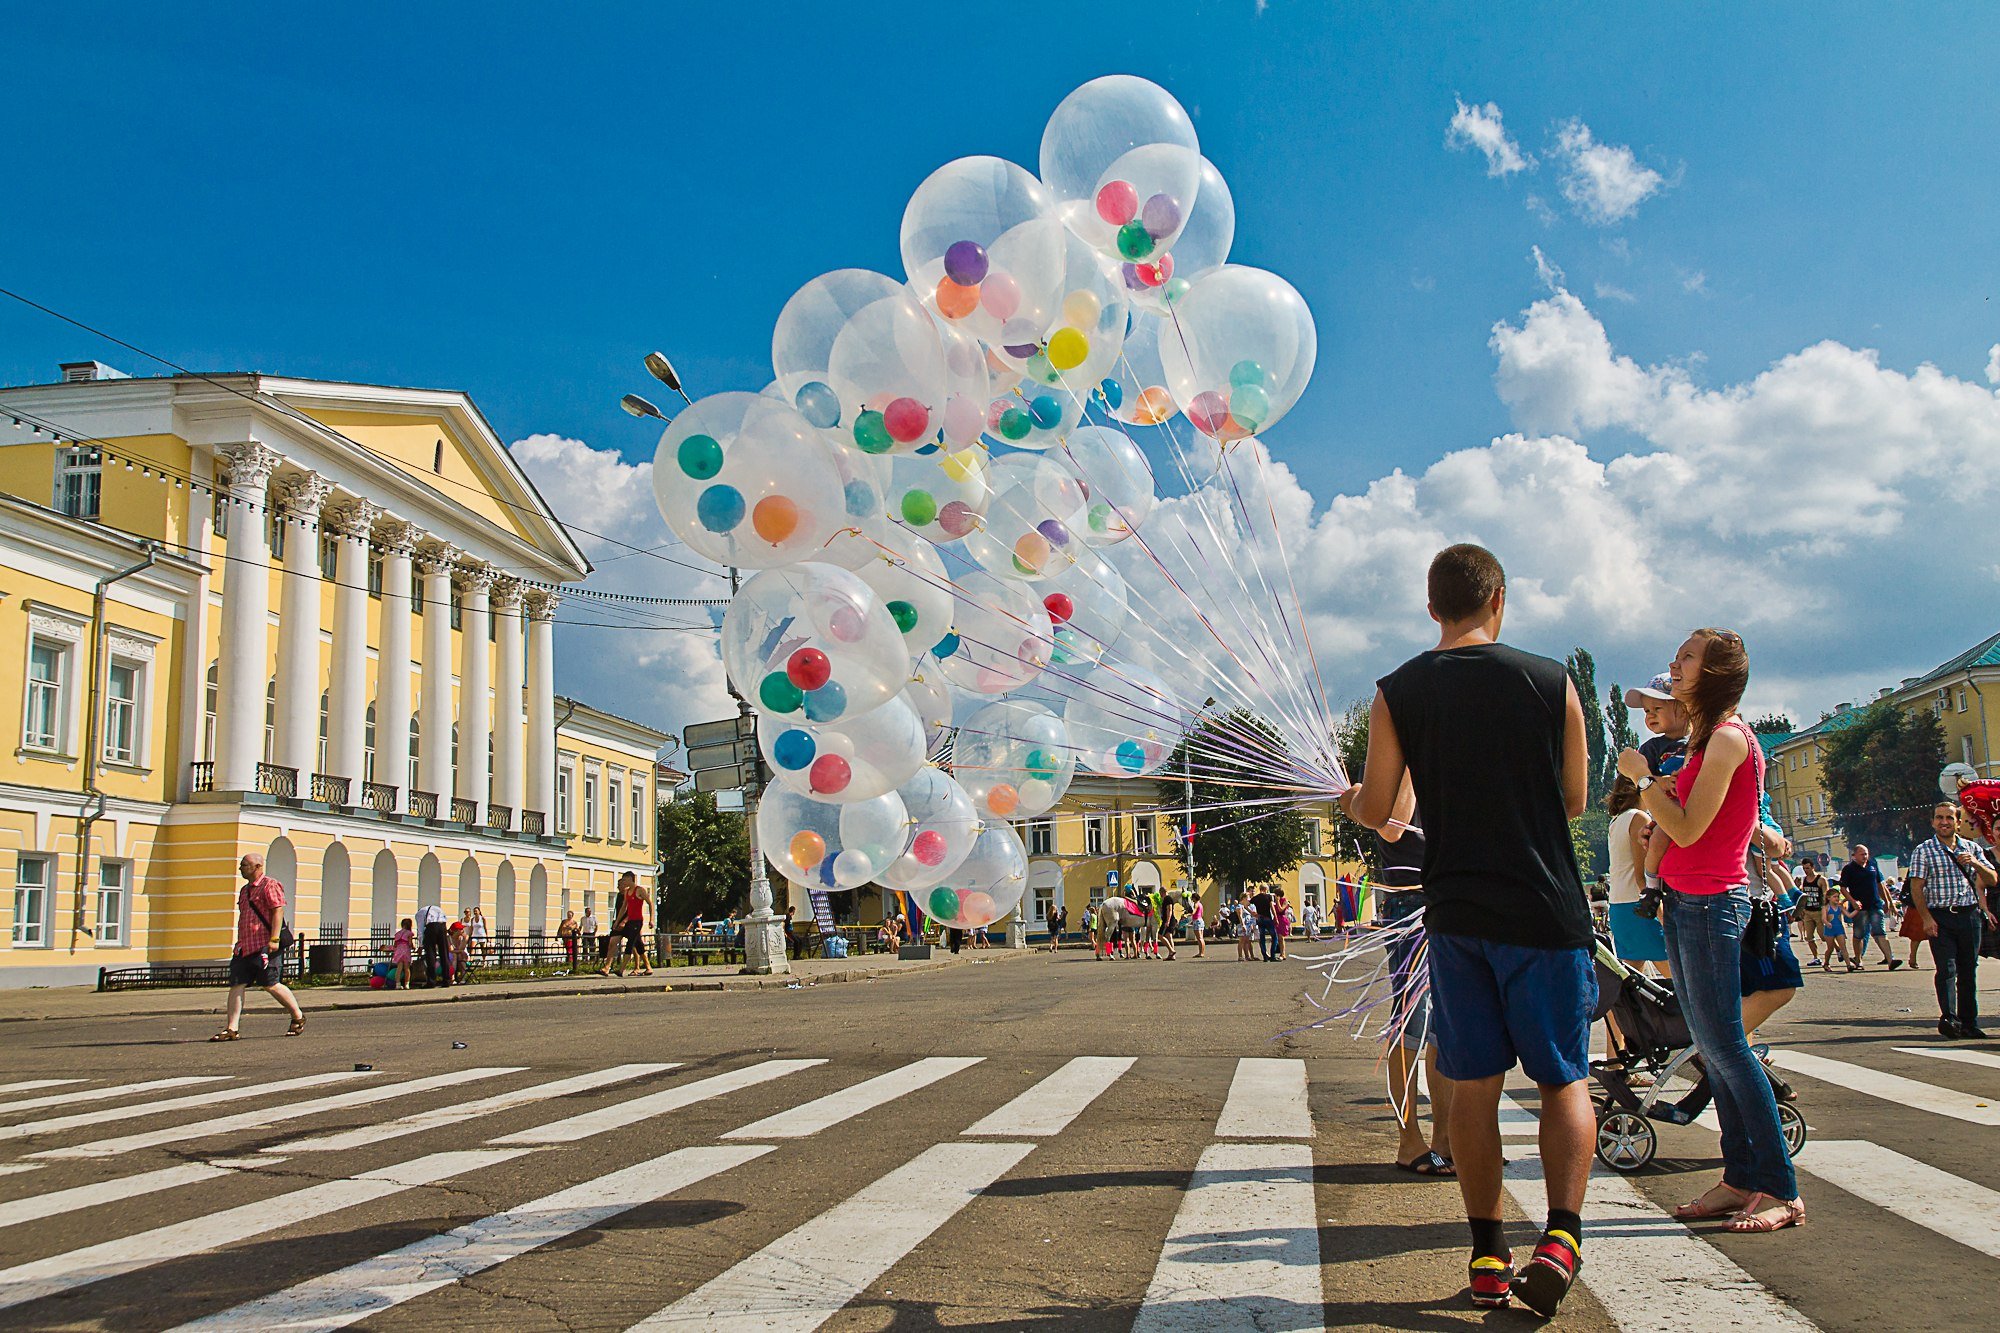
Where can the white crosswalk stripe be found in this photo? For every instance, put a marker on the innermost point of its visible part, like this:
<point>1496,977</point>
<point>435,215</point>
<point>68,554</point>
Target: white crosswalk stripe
<point>56,1202</point>
<point>84,1119</point>
<point>437,1117</point>
<point>107,1094</point>
<point>1243,1252</point>
<point>1956,1053</point>
<point>1891,1087</point>
<point>631,1112</point>
<point>1049,1108</point>
<point>832,1109</point>
<point>1916,1191</point>
<point>29,1084</point>
<point>1267,1100</point>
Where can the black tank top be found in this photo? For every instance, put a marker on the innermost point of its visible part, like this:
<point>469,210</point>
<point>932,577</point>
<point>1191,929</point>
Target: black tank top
<point>1402,860</point>
<point>1481,729</point>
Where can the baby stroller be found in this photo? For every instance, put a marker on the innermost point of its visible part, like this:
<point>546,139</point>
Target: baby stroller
<point>1658,1076</point>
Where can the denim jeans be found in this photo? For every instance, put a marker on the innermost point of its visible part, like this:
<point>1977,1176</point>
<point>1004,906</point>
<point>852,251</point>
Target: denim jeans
<point>1955,952</point>
<point>1705,945</point>
<point>1267,937</point>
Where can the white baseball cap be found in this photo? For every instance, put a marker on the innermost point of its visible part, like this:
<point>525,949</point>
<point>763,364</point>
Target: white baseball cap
<point>1660,690</point>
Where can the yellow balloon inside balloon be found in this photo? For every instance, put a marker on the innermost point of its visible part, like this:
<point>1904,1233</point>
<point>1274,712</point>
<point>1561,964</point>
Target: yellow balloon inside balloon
<point>1068,349</point>
<point>1081,309</point>
<point>963,465</point>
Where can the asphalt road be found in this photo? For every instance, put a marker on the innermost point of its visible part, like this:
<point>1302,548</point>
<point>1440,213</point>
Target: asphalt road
<point>1163,1181</point>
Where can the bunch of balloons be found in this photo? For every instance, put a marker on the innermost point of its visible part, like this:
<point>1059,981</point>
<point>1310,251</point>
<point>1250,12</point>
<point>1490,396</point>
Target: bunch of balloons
<point>929,487</point>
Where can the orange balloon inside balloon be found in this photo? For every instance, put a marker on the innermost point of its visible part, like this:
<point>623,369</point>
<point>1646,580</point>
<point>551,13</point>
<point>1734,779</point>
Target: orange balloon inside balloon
<point>1155,405</point>
<point>954,301</point>
<point>775,518</point>
<point>1032,550</point>
<point>808,850</point>
<point>1003,800</point>
<point>977,909</point>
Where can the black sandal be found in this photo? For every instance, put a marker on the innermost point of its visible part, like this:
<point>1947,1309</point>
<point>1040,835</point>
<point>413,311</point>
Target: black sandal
<point>1430,1164</point>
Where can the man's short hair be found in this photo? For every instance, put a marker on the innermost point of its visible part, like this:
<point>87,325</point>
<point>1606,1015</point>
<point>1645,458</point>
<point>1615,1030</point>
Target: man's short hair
<point>1463,579</point>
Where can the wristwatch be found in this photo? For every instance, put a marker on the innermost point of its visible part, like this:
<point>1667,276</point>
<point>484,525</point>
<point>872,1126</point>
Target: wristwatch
<point>1645,782</point>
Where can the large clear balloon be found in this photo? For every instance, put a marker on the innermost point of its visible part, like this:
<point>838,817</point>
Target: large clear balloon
<point>983,245</point>
<point>940,496</point>
<point>1035,416</point>
<point>1000,637</point>
<point>745,480</point>
<point>855,760</point>
<point>1079,345</point>
<point>1117,482</point>
<point>1088,603</point>
<point>943,828</point>
<point>930,694</point>
<point>1239,351</point>
<point>1027,531</point>
<point>1014,758</point>
<point>987,885</point>
<point>1136,389</point>
<point>813,641</point>
<point>826,846</point>
<point>1121,157</point>
<point>1202,248</point>
<point>1123,720</point>
<point>862,521</point>
<point>860,358</point>
<point>909,576</point>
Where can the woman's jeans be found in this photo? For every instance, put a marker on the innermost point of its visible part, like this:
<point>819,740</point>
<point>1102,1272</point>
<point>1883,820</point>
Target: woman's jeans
<point>1705,946</point>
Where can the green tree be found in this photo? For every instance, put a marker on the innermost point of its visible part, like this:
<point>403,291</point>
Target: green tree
<point>1881,776</point>
<point>1623,737</point>
<point>706,857</point>
<point>1350,742</point>
<point>1583,671</point>
<point>1773,724</point>
<point>1249,843</point>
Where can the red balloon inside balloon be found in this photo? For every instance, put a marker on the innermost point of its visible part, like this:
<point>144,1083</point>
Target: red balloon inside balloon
<point>846,624</point>
<point>830,773</point>
<point>907,420</point>
<point>929,847</point>
<point>1061,606</point>
<point>1117,202</point>
<point>809,668</point>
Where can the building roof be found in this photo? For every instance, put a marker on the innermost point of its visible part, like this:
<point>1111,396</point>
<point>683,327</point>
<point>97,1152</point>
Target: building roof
<point>1983,654</point>
<point>589,714</point>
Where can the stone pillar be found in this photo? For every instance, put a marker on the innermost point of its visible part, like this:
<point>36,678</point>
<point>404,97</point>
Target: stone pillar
<point>347,702</point>
<point>509,782</point>
<point>541,607</point>
<point>299,498</point>
<point>474,717</point>
<point>392,662</point>
<point>246,613</point>
<point>434,714</point>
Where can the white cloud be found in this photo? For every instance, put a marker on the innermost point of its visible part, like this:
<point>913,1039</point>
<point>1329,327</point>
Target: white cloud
<point>1695,283</point>
<point>1604,183</point>
<point>1547,271</point>
<point>1606,291</point>
<point>1481,127</point>
<point>663,677</point>
<point>1541,210</point>
<point>1993,364</point>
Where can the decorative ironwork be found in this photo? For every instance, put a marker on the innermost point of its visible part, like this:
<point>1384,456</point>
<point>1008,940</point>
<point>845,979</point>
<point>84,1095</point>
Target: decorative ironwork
<point>424,804</point>
<point>277,780</point>
<point>500,817</point>
<point>201,775</point>
<point>329,790</point>
<point>379,797</point>
<point>534,823</point>
<point>464,811</point>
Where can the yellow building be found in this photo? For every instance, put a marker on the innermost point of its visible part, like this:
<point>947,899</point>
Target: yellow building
<point>306,619</point>
<point>1954,692</point>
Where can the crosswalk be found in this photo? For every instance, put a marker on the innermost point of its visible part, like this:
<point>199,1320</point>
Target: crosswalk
<point>218,1162</point>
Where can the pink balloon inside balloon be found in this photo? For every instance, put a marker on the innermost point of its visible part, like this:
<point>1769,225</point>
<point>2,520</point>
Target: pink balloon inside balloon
<point>907,420</point>
<point>1001,296</point>
<point>830,774</point>
<point>929,847</point>
<point>846,624</point>
<point>1117,202</point>
<point>957,518</point>
<point>962,420</point>
<point>1209,412</point>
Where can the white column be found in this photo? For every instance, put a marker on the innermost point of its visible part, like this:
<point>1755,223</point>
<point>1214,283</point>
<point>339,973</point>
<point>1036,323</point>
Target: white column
<point>347,703</point>
<point>246,616</point>
<point>299,498</point>
<point>392,665</point>
<point>541,606</point>
<point>434,713</point>
<point>474,717</point>
<point>509,786</point>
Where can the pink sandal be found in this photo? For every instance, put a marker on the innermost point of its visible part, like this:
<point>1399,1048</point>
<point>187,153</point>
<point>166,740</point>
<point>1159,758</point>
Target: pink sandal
<point>1752,1216</point>
<point>1697,1211</point>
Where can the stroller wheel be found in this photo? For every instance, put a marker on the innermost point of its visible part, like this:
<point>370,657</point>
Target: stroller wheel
<point>1626,1141</point>
<point>1790,1122</point>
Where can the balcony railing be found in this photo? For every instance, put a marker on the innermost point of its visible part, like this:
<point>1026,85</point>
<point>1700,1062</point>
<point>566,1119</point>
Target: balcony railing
<point>329,790</point>
<point>424,804</point>
<point>500,817</point>
<point>201,775</point>
<point>277,780</point>
<point>379,797</point>
<point>534,823</point>
<point>464,811</point>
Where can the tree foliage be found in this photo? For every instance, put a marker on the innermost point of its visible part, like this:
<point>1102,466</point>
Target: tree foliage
<point>706,855</point>
<point>1237,843</point>
<point>1583,671</point>
<point>1350,741</point>
<point>1773,724</point>
<point>1623,736</point>
<point>1882,774</point>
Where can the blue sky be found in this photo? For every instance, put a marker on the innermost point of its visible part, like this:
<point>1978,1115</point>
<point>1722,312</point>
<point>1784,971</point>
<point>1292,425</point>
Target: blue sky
<point>521,205</point>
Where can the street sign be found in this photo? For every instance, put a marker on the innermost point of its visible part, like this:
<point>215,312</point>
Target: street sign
<point>724,779</point>
<point>721,756</point>
<point>1111,878</point>
<point>701,734</point>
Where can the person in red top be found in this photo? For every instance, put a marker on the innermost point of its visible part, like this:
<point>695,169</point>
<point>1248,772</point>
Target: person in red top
<point>260,910</point>
<point>1710,815</point>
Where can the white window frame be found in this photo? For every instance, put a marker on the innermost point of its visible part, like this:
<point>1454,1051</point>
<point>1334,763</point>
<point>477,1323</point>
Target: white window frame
<point>1044,899</point>
<point>1041,837</point>
<point>114,926</point>
<point>640,834</point>
<point>45,704</point>
<point>31,928</point>
<point>84,467</point>
<point>565,795</point>
<point>614,805</point>
<point>1312,837</point>
<point>1144,840</point>
<point>590,775</point>
<point>1961,700</point>
<point>126,714</point>
<point>63,632</point>
<point>1096,834</point>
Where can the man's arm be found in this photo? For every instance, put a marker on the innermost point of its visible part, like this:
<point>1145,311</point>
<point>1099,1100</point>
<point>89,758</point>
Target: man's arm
<point>1385,777</point>
<point>1576,754</point>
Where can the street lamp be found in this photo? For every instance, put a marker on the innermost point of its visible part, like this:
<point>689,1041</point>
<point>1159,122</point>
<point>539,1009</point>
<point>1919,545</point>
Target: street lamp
<point>662,370</point>
<point>636,406</point>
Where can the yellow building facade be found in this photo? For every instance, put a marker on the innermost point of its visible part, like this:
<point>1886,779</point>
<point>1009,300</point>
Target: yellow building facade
<point>298,618</point>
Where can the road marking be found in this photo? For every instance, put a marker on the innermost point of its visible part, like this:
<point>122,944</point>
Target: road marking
<point>271,1115</point>
<point>830,1110</point>
<point>83,1118</point>
<point>1647,1270</point>
<point>807,1276</point>
<point>1267,1100</point>
<point>1955,1208</point>
<point>655,1104</point>
<point>336,1300</point>
<point>128,1254</point>
<point>57,1202</point>
<point>1051,1105</point>
<point>1243,1251</point>
<point>1964,1057</point>
<point>106,1094</point>
<point>16,1168</point>
<point>437,1117</point>
<point>29,1084</point>
<point>1891,1087</point>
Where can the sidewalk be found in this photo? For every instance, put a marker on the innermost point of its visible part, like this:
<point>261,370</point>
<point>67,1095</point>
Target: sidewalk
<point>69,1002</point>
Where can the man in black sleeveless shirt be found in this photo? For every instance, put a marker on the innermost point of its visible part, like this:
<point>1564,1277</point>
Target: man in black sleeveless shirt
<point>1489,741</point>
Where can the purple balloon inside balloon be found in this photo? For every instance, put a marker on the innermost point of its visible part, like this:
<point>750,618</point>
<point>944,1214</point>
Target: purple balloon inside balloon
<point>1021,351</point>
<point>965,262</point>
<point>1132,279</point>
<point>1053,529</point>
<point>1162,215</point>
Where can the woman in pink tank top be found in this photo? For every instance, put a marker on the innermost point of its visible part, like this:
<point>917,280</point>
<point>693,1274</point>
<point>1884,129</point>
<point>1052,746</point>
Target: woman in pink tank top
<point>1709,817</point>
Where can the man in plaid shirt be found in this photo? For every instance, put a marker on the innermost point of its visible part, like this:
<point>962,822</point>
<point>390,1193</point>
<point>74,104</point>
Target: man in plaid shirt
<point>1949,877</point>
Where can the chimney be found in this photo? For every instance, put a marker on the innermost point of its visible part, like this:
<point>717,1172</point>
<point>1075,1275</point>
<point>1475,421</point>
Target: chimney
<point>81,372</point>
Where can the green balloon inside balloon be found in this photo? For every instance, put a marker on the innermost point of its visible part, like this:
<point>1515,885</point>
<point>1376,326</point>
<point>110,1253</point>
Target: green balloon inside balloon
<point>1249,404</point>
<point>1247,372</point>
<point>1134,241</point>
<point>1015,424</point>
<point>871,433</point>
<point>919,508</point>
<point>944,903</point>
<point>1100,518</point>
<point>904,615</point>
<point>778,694</point>
<point>1041,764</point>
<point>700,456</point>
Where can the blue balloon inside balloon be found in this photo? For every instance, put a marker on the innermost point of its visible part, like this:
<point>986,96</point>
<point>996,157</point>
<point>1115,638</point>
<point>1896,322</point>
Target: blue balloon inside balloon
<point>826,871</point>
<point>819,404</point>
<point>793,750</point>
<point>1131,756</point>
<point>719,508</point>
<point>860,499</point>
<point>1113,394</point>
<point>1046,411</point>
<point>946,646</point>
<point>826,703</point>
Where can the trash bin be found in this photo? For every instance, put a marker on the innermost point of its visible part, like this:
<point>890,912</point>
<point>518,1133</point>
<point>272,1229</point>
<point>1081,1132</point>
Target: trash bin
<point>324,960</point>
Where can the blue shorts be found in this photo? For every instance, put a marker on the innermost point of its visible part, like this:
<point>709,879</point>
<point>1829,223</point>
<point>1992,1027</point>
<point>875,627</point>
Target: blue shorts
<point>1870,925</point>
<point>1635,938</point>
<point>1495,1004</point>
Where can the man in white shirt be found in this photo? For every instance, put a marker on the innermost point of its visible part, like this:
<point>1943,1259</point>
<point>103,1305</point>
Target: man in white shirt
<point>1948,880</point>
<point>431,927</point>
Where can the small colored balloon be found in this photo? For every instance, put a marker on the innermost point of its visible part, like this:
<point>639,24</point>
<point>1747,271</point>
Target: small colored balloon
<point>957,518</point>
<point>793,749</point>
<point>1060,606</point>
<point>1002,800</point>
<point>1047,411</point>
<point>819,404</point>
<point>929,847</point>
<point>1131,756</point>
<point>827,703</point>
<point>903,614</point>
<point>778,694</point>
<point>955,301</point>
<point>807,849</point>
<point>943,903</point>
<point>830,774</point>
<point>847,624</point>
<point>919,508</point>
<point>871,433</point>
<point>700,456</point>
<point>1068,349</point>
<point>906,419</point>
<point>720,508</point>
<point>1134,241</point>
<point>965,263</point>
<point>1161,215</point>
<point>809,668</point>
<point>775,518</point>
<point>1117,202</point>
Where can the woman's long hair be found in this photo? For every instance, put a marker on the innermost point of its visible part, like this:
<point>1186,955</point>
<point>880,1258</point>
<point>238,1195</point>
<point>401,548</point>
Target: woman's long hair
<point>1623,796</point>
<point>1725,674</point>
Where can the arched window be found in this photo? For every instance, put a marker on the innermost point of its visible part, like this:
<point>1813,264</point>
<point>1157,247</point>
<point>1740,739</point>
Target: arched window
<point>210,696</point>
<point>368,746</point>
<point>271,720</point>
<point>454,747</point>
<point>323,723</point>
<point>414,736</point>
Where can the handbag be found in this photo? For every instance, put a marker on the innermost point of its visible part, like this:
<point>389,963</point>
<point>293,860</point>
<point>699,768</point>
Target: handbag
<point>284,938</point>
<point>1766,923</point>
